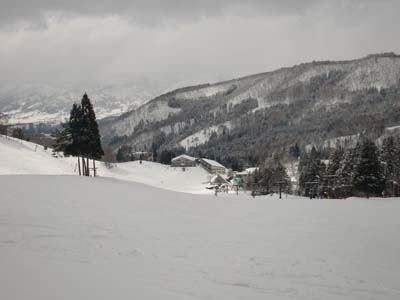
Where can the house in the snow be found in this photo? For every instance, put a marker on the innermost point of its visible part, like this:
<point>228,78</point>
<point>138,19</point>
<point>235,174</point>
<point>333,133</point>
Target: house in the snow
<point>212,166</point>
<point>245,175</point>
<point>183,161</point>
<point>217,181</point>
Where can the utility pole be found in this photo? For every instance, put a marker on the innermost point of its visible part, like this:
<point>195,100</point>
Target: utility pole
<point>281,184</point>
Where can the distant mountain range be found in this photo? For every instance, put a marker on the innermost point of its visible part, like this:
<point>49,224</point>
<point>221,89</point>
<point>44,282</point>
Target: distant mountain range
<point>245,117</point>
<point>51,104</point>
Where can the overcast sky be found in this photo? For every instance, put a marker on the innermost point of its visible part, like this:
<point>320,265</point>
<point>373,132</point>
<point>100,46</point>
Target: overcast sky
<point>96,41</point>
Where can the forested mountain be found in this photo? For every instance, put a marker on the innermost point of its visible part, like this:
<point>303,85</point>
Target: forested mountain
<point>248,119</point>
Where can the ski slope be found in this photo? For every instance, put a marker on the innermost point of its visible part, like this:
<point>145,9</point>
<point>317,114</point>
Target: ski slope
<point>21,157</point>
<point>69,237</point>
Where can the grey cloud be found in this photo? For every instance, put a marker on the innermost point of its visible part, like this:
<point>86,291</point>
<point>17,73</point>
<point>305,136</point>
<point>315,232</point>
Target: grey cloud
<point>146,11</point>
<point>94,41</point>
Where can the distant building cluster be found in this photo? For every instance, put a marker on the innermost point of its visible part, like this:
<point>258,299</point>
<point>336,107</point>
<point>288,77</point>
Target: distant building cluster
<point>222,179</point>
<point>186,161</point>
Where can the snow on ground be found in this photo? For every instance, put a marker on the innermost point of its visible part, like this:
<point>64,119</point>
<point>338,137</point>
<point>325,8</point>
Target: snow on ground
<point>21,157</point>
<point>192,180</point>
<point>69,237</point>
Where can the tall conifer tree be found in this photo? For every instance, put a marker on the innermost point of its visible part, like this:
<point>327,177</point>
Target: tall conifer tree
<point>80,136</point>
<point>368,175</point>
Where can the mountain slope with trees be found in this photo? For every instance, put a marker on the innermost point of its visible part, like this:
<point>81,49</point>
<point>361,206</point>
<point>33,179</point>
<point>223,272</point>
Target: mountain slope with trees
<point>245,121</point>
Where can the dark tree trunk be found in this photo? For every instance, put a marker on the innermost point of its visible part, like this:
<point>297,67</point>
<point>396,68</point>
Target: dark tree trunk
<point>79,166</point>
<point>94,168</point>
<point>87,165</point>
<point>83,167</point>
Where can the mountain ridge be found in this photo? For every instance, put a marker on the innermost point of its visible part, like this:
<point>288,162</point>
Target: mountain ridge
<point>199,118</point>
<point>42,103</point>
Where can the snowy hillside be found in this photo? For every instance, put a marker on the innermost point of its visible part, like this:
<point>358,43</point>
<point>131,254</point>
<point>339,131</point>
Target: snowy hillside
<point>303,103</point>
<point>21,157</point>
<point>203,136</point>
<point>68,237</point>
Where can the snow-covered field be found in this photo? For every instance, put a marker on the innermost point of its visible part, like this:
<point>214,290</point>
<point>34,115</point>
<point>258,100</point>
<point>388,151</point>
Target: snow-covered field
<point>71,237</point>
<point>68,237</point>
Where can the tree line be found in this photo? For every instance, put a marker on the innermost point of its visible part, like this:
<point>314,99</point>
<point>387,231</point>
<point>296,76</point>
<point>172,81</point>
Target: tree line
<point>268,178</point>
<point>80,136</point>
<point>367,169</point>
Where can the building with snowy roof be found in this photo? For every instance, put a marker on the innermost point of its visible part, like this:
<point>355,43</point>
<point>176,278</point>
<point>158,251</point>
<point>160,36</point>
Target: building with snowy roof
<point>212,166</point>
<point>245,175</point>
<point>183,161</point>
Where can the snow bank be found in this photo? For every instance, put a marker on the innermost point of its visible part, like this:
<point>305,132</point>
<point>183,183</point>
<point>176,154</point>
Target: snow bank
<point>68,237</point>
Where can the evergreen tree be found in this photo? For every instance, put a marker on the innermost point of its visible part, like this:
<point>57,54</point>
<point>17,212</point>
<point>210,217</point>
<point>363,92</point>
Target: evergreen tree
<point>90,131</point>
<point>124,153</point>
<point>345,172</point>
<point>311,169</point>
<point>335,161</point>
<point>119,156</point>
<point>368,175</point>
<point>3,123</point>
<point>295,150</point>
<point>63,138</point>
<point>389,156</point>
<point>75,128</point>
<point>18,133</point>
<point>77,146</point>
<point>80,136</point>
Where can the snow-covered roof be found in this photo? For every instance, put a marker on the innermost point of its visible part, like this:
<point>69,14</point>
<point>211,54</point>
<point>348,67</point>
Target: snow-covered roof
<point>218,176</point>
<point>213,163</point>
<point>247,171</point>
<point>185,157</point>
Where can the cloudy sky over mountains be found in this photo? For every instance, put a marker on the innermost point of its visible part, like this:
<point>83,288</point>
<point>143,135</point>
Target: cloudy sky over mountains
<point>98,41</point>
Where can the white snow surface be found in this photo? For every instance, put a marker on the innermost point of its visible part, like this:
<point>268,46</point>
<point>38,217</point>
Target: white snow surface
<point>69,237</point>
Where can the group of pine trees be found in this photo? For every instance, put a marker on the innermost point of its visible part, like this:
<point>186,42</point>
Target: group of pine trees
<point>269,178</point>
<point>363,170</point>
<point>80,136</point>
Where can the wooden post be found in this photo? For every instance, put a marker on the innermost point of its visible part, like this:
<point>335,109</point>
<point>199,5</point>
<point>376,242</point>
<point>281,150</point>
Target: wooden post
<point>87,166</point>
<point>94,168</point>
